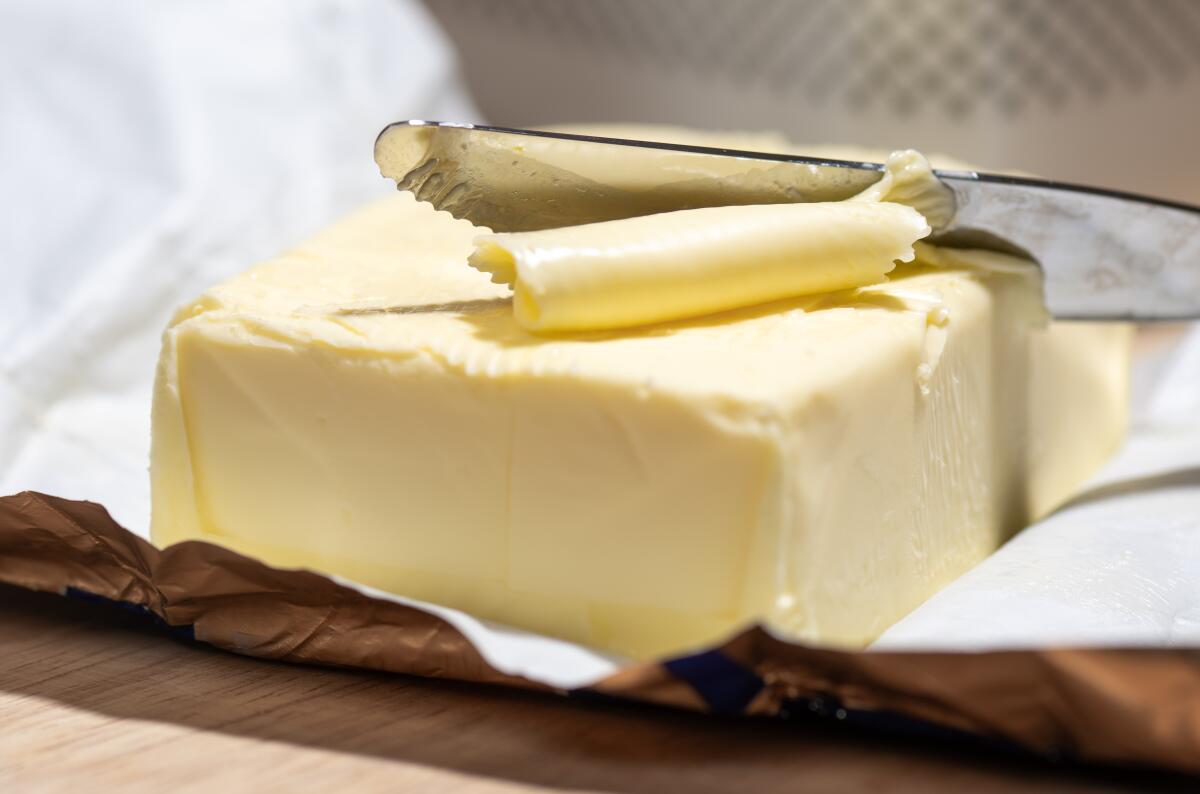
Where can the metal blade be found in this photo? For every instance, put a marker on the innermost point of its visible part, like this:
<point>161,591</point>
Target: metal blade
<point>1104,254</point>
<point>520,180</point>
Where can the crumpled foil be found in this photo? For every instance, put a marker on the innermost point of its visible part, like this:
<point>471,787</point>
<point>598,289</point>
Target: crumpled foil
<point>1115,705</point>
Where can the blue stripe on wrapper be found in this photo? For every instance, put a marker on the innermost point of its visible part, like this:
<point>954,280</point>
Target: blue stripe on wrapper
<point>726,686</point>
<point>182,632</point>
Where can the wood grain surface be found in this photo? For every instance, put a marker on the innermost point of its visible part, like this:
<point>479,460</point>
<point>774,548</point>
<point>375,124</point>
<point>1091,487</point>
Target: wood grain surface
<point>93,700</point>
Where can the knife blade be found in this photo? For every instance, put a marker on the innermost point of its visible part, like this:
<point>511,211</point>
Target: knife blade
<point>1104,254</point>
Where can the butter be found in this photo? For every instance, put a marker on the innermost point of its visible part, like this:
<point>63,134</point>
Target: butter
<point>694,262</point>
<point>367,405</point>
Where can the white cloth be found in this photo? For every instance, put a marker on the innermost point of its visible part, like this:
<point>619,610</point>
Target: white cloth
<point>148,150</point>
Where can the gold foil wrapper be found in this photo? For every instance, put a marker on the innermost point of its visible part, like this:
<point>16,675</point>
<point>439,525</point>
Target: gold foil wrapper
<point>1111,705</point>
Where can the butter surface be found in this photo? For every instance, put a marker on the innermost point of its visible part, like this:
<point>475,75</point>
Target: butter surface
<point>367,405</point>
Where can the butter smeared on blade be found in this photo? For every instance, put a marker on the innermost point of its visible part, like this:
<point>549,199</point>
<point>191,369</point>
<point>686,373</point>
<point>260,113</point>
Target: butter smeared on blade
<point>908,179</point>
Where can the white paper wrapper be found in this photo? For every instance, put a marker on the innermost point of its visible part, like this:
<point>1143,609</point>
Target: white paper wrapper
<point>1118,565</point>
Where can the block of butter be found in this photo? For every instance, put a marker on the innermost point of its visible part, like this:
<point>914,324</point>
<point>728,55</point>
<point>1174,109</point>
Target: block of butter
<point>367,405</point>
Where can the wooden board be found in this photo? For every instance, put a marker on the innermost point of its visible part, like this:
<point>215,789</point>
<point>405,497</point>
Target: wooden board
<point>92,700</point>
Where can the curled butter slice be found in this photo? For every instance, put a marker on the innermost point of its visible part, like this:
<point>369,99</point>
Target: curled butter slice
<point>688,263</point>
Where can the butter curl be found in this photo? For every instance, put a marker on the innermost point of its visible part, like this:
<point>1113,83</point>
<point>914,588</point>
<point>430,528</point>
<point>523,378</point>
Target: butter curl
<point>690,263</point>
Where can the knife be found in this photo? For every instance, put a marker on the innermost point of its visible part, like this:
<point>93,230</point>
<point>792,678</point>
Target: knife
<point>1104,254</point>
